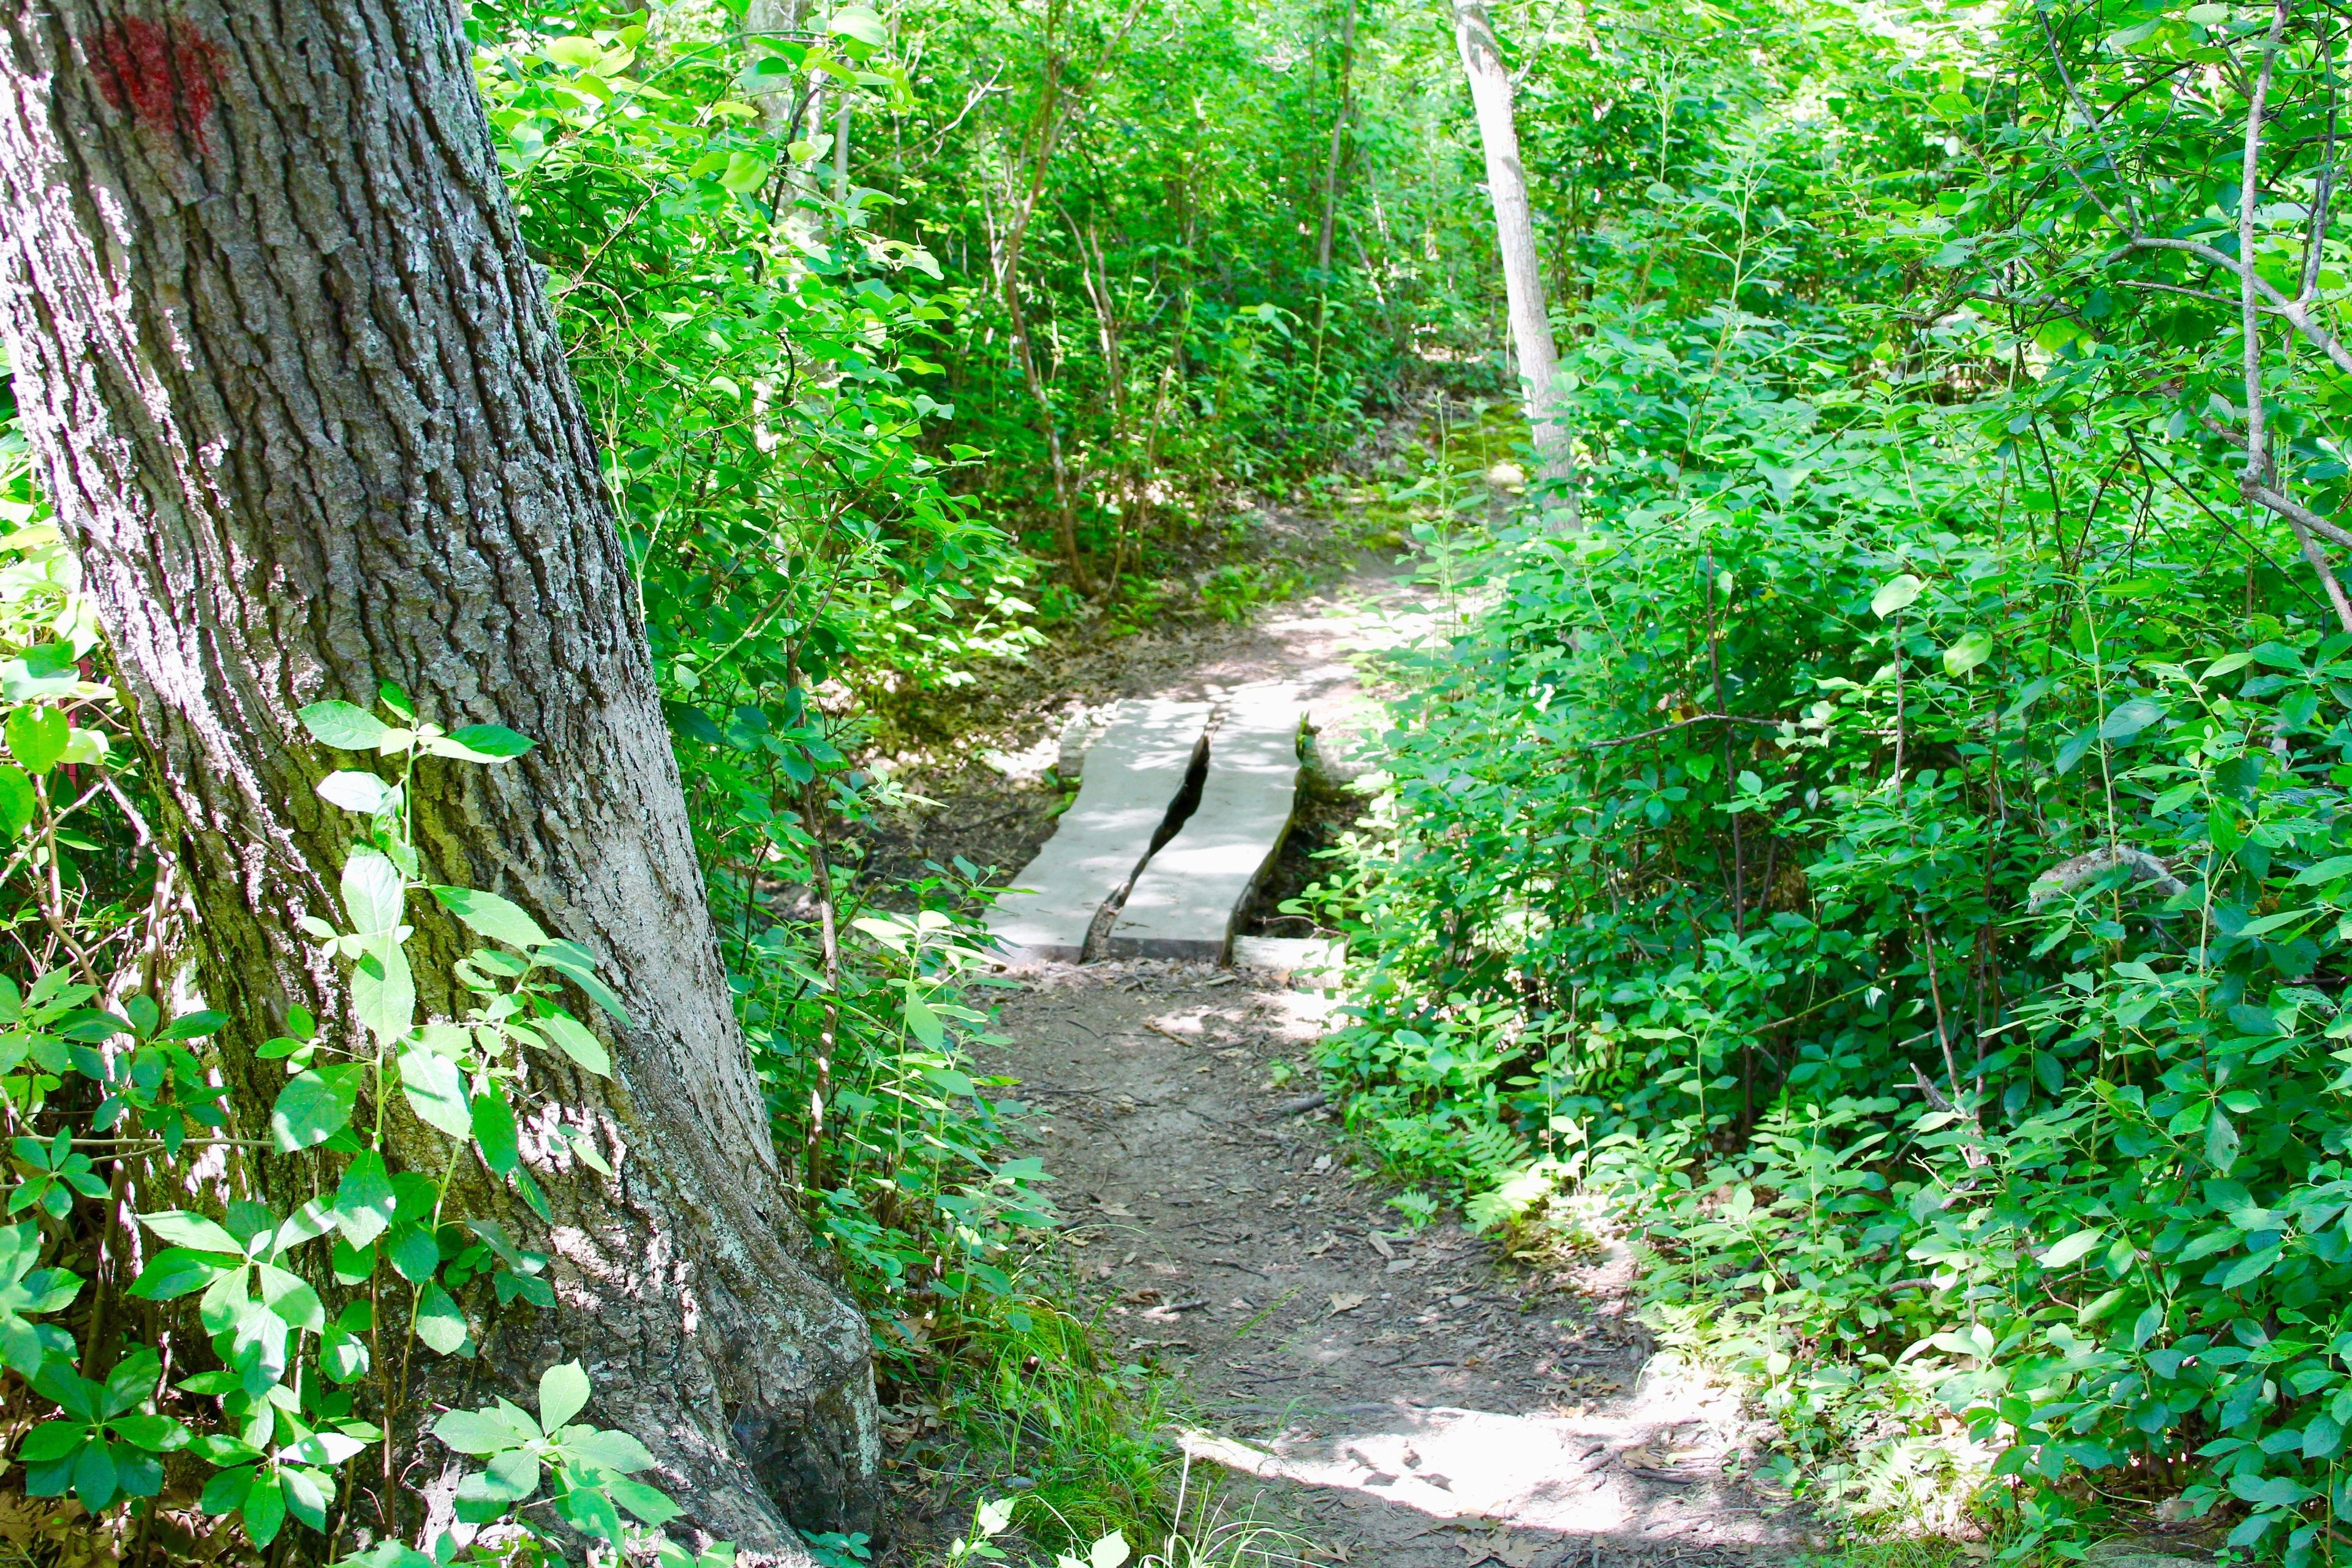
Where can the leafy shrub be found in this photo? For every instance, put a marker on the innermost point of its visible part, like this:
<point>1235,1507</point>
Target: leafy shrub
<point>1902,850</point>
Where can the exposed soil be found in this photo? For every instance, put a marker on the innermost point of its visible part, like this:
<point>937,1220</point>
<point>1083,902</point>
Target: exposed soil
<point>1395,1397</point>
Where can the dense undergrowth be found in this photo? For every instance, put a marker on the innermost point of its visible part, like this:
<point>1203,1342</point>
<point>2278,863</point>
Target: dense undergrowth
<point>1899,850</point>
<point>745,346</point>
<point>903,337</point>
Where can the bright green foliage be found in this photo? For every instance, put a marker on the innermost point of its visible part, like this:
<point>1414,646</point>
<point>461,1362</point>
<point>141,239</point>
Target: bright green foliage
<point>1901,849</point>
<point>287,1381</point>
<point>752,354</point>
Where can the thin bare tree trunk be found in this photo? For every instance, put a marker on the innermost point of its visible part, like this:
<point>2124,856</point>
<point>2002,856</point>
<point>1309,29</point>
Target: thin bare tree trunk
<point>1339,144</point>
<point>2262,472</point>
<point>1515,238</point>
<point>297,396</point>
<point>1044,128</point>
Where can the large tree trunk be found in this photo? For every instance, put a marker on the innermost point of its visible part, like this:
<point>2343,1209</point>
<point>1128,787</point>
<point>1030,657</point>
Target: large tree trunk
<point>1514,237</point>
<point>296,392</point>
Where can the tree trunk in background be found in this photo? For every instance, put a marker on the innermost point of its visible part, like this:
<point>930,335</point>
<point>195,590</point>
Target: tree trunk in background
<point>295,390</point>
<point>1036,157</point>
<point>1339,145</point>
<point>1515,238</point>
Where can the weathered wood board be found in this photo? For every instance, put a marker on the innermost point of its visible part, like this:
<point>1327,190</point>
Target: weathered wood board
<point>1134,774</point>
<point>1185,902</point>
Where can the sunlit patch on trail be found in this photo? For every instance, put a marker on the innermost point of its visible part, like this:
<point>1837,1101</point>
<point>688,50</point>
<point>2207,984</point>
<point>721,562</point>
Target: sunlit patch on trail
<point>1640,1474</point>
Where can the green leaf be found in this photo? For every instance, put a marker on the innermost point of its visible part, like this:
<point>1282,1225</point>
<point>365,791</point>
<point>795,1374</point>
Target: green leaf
<point>2270,1491</point>
<point>573,1039</point>
<point>2072,1248</point>
<point>95,1478</point>
<point>312,1108</point>
<point>196,1025</point>
<point>51,1440</point>
<point>175,1271</point>
<point>364,792</point>
<point>1899,593</point>
<point>364,1205</point>
<point>1971,651</point>
<point>2130,718</point>
<point>342,726</point>
<point>306,1499</point>
<point>436,1092</point>
<point>2249,1269</point>
<point>649,1505</point>
<point>580,54</point>
<point>375,893</point>
<point>383,993</point>
<point>607,1450</point>
<point>183,1228</point>
<point>489,915</point>
<point>2221,1141</point>
<point>226,1490</point>
<point>291,1297</point>
<point>414,1253</point>
<point>477,1432</point>
<point>591,1512</point>
<point>490,1493</point>
<point>17,801</point>
<point>264,1509</point>
<point>2266,925</point>
<point>859,23</point>
<point>562,1394</point>
<point>924,1024</point>
<point>37,737</point>
<point>439,1324</point>
<point>486,743</point>
<point>745,173</point>
<point>576,964</point>
<point>494,1129</point>
<point>2070,750</point>
<point>156,1434</point>
<point>2329,871</point>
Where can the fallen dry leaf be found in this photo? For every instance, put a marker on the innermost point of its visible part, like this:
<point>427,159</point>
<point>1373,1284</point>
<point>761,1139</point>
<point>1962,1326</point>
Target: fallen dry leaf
<point>1346,1301</point>
<point>1500,1547</point>
<point>1381,1243</point>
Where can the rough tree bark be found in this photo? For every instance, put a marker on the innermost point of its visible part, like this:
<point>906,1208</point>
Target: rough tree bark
<point>1515,238</point>
<point>295,390</point>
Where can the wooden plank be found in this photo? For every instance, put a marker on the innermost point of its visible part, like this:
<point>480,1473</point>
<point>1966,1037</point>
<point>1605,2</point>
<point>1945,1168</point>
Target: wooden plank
<point>1134,774</point>
<point>1185,902</point>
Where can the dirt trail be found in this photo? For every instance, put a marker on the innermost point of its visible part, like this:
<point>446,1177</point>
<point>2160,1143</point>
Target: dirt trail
<point>1393,1396</point>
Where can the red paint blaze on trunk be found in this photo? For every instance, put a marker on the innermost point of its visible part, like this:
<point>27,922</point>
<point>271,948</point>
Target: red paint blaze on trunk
<point>161,73</point>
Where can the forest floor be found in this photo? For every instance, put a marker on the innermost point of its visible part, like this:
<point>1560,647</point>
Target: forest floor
<point>1387,1395</point>
<point>1391,1396</point>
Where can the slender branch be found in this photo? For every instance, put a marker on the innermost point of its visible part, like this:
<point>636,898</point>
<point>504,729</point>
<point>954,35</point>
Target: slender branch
<point>2249,178</point>
<point>2295,312</point>
<point>2207,294</point>
<point>2325,195</point>
<point>1683,724</point>
<point>2298,515</point>
<point>2309,529</point>
<point>2099,134</point>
